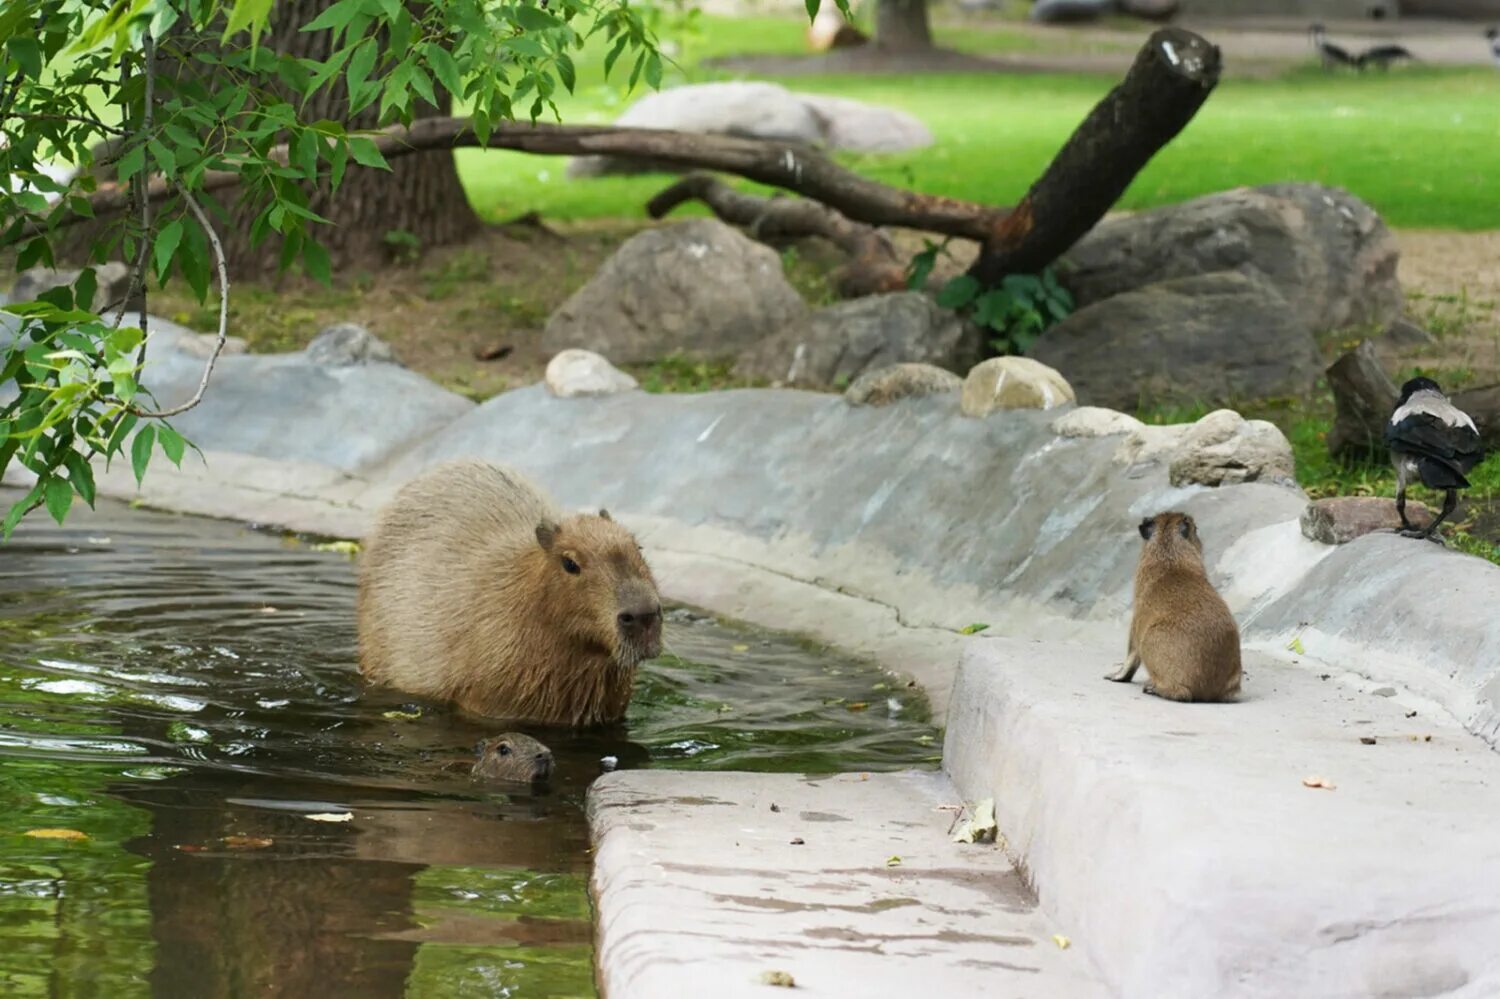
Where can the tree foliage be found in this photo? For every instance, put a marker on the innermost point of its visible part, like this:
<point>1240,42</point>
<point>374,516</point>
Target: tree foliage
<point>182,90</point>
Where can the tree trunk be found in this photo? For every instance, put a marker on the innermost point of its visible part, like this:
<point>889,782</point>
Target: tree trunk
<point>901,26</point>
<point>420,196</point>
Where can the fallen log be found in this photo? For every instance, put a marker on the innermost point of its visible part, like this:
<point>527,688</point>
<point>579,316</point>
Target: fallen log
<point>873,266</point>
<point>1363,399</point>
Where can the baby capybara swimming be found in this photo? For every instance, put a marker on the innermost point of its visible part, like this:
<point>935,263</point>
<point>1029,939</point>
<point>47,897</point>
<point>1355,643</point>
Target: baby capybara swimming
<point>474,589</point>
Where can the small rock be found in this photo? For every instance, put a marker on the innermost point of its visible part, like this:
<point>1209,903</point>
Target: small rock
<point>1384,691</point>
<point>1070,11</point>
<point>584,373</point>
<point>1013,383</point>
<point>884,386</point>
<point>348,343</point>
<point>1224,448</point>
<point>781,979</point>
<point>1338,520</point>
<point>1402,333</point>
<point>1095,421</point>
<point>1367,740</point>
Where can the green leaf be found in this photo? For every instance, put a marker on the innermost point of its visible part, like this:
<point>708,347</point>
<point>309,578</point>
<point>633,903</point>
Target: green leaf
<point>535,19</point>
<point>131,163</point>
<point>305,153</point>
<point>566,71</point>
<point>81,474</point>
<point>59,494</point>
<point>812,8</point>
<point>27,54</point>
<point>249,14</point>
<point>338,161</point>
<point>365,153</point>
<point>140,452</point>
<point>85,288</point>
<point>337,16</point>
<point>972,629</point>
<point>172,444</point>
<point>614,53</point>
<point>315,262</point>
<point>20,509</point>
<point>167,241</point>
<point>958,292</point>
<point>653,71</point>
<point>164,156</point>
<point>445,69</point>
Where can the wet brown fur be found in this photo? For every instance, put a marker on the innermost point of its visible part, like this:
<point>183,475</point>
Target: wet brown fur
<point>464,595</point>
<point>1181,631</point>
<point>514,757</point>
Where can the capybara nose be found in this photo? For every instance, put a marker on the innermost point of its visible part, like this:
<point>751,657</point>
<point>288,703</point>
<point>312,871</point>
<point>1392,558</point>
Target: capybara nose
<point>640,620</point>
<point>543,764</point>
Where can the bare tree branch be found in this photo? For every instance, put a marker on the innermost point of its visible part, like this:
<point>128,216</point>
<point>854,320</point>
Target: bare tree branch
<point>873,265</point>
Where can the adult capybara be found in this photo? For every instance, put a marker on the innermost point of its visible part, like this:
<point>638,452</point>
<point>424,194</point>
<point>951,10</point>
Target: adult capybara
<point>474,589</point>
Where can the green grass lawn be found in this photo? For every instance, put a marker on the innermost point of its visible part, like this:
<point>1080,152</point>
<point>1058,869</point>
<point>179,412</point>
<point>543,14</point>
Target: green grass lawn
<point>1421,145</point>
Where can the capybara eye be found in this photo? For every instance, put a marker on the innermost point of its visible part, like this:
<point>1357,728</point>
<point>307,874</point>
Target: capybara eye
<point>504,749</point>
<point>570,566</point>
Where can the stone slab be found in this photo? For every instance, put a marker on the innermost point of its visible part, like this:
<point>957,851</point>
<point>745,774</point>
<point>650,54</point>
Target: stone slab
<point>1181,846</point>
<point>700,890</point>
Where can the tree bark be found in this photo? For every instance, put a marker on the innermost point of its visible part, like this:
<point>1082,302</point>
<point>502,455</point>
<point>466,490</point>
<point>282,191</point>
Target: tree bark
<point>420,197</point>
<point>873,266</point>
<point>1363,399</point>
<point>1169,81</point>
<point>902,26</point>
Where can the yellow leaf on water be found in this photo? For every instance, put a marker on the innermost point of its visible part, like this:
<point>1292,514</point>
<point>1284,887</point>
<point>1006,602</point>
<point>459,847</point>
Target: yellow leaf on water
<point>1295,645</point>
<point>1063,943</point>
<point>893,861</point>
<point>972,629</point>
<point>69,834</point>
<point>856,705</point>
<point>350,548</point>
<point>742,648</point>
<point>401,715</point>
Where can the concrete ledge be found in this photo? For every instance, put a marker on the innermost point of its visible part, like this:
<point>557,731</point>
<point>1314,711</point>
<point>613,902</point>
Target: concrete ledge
<point>700,890</point>
<point>1181,845</point>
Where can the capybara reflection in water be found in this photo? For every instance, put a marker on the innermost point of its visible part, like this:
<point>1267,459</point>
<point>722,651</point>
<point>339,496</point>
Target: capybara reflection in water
<point>474,589</point>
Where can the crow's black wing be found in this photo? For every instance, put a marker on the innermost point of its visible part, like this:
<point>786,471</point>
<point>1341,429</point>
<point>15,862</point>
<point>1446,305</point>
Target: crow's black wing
<point>1424,435</point>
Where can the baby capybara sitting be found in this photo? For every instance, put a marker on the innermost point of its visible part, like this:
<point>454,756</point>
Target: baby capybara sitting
<point>474,589</point>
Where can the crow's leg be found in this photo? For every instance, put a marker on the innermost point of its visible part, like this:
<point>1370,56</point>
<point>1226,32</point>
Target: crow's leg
<point>1401,506</point>
<point>1449,502</point>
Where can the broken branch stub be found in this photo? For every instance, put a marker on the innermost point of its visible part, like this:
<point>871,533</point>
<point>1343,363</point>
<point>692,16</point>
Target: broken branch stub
<point>1172,76</point>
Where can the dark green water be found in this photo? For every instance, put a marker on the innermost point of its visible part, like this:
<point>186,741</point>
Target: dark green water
<point>179,695</point>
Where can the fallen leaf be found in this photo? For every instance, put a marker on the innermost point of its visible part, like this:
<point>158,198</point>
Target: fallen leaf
<point>1368,740</point>
<point>778,978</point>
<point>401,715</point>
<point>972,629</point>
<point>1063,943</point>
<point>331,816</point>
<point>493,352</point>
<point>247,842</point>
<point>741,648</point>
<point>69,834</point>
<point>350,548</point>
<point>1322,782</point>
<point>1295,645</point>
<point>798,841</point>
<point>856,705</point>
<point>775,807</point>
<point>981,827</point>
<point>893,861</point>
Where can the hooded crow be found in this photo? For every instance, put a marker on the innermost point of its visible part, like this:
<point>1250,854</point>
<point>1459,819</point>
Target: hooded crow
<point>1433,441</point>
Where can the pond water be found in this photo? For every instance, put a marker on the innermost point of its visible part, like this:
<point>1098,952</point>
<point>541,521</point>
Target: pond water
<point>177,698</point>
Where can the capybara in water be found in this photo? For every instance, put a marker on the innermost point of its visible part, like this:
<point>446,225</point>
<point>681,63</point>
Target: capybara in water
<point>1182,631</point>
<point>474,589</point>
<point>514,757</point>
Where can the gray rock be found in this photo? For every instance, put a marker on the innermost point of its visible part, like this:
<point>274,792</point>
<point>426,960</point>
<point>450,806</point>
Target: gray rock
<point>842,342</point>
<point>348,343</point>
<point>1327,253</point>
<point>1013,383</point>
<point>584,373</point>
<point>1338,520</point>
<point>698,287</point>
<point>883,386</point>
<point>1214,339</point>
<point>1225,448</point>
<point>760,111</point>
<point>1151,10</point>
<point>1070,11</point>
<point>113,283</point>
<point>1094,421</point>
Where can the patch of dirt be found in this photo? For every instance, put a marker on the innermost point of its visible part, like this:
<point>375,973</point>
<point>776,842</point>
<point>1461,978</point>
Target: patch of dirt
<point>1452,283</point>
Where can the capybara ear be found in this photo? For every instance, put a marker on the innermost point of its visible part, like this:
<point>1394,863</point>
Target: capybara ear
<point>479,747</point>
<point>1186,527</point>
<point>604,515</point>
<point>1148,527</point>
<point>546,533</point>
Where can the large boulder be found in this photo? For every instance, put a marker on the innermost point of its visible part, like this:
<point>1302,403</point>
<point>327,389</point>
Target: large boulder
<point>838,344</point>
<point>1012,383</point>
<point>698,287</point>
<point>1214,339</point>
<point>759,110</point>
<point>1327,253</point>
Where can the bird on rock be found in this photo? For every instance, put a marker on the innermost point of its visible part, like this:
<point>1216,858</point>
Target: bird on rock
<point>1431,441</point>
